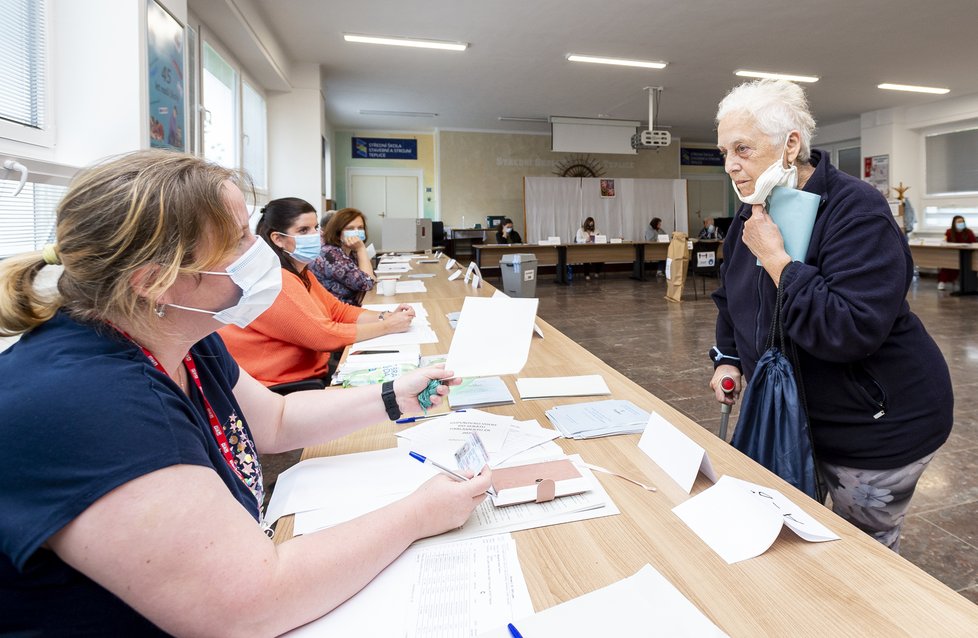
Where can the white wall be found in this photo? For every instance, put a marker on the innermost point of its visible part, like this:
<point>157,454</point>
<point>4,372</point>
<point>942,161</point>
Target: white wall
<point>295,138</point>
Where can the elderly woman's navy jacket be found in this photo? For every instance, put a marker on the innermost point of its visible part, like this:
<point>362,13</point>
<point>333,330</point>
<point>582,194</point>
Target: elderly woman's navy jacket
<point>877,386</point>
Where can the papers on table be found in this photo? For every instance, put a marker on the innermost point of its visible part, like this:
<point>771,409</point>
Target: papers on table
<point>404,287</point>
<point>598,418</point>
<point>419,332</point>
<point>674,452</point>
<point>394,258</point>
<point>539,387</point>
<point>385,267</point>
<point>450,430</point>
<point>450,589</point>
<point>639,606</point>
<point>741,520</point>
<point>480,391</point>
<point>473,354</point>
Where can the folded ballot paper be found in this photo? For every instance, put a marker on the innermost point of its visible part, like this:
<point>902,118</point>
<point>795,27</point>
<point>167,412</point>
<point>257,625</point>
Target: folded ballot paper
<point>598,418</point>
<point>529,483</point>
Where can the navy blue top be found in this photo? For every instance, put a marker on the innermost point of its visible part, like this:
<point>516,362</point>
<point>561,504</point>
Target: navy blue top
<point>84,412</point>
<point>861,350</point>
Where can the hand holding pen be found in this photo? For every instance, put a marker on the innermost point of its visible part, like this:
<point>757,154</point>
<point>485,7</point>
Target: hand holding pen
<point>444,503</point>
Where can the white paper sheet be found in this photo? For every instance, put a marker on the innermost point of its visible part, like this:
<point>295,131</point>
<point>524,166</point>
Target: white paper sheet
<point>384,267</point>
<point>741,520</point>
<point>536,326</point>
<point>451,429</point>
<point>451,589</point>
<point>419,309</point>
<point>455,275</point>
<point>479,391</point>
<point>415,285</point>
<point>579,386</point>
<point>472,354</point>
<point>526,442</point>
<point>677,454</point>
<point>371,251</point>
<point>645,604</point>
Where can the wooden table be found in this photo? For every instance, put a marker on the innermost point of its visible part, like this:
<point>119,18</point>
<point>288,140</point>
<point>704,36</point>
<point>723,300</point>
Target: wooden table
<point>960,257</point>
<point>851,587</point>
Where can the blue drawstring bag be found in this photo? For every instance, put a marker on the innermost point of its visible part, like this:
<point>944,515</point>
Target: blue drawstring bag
<point>773,425</point>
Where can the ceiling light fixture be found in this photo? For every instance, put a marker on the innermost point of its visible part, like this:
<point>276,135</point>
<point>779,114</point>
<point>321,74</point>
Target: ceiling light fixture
<point>775,76</point>
<point>573,57</point>
<point>914,89</point>
<point>406,42</point>
<point>397,113</point>
<point>518,118</point>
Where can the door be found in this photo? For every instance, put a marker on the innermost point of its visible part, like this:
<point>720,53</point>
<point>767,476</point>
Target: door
<point>707,197</point>
<point>381,195</point>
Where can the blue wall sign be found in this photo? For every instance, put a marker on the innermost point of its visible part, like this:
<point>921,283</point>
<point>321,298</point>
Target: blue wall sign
<point>700,157</point>
<point>384,148</point>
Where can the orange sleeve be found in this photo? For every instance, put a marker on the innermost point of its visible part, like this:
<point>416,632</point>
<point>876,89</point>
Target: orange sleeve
<point>307,318</point>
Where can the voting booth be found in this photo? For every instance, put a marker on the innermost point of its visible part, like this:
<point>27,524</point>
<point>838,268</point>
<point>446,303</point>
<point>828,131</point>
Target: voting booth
<point>519,274</point>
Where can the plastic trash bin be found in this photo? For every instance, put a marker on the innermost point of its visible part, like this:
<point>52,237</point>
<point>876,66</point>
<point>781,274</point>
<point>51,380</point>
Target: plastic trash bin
<point>519,274</point>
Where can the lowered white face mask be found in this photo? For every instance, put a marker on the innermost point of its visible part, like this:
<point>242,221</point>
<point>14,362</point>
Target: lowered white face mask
<point>258,273</point>
<point>774,175</point>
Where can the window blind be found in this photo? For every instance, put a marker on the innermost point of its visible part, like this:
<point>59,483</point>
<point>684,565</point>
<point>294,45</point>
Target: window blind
<point>22,62</point>
<point>27,221</point>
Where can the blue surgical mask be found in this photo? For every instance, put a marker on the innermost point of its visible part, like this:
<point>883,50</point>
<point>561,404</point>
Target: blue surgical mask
<point>307,247</point>
<point>361,233</point>
<point>959,226</point>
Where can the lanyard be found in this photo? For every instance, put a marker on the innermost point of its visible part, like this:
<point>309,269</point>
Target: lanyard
<point>216,429</point>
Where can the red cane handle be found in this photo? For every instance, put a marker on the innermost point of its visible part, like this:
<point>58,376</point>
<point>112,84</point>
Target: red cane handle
<point>728,385</point>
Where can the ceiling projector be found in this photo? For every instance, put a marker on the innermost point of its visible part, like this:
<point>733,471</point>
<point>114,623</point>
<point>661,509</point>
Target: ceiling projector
<point>651,139</point>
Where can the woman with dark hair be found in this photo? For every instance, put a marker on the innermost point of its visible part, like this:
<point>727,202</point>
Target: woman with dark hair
<point>585,235</point>
<point>958,233</point>
<point>343,266</point>
<point>293,340</point>
<point>507,234</point>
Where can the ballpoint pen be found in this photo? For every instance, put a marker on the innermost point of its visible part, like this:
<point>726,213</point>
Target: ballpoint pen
<point>513,631</point>
<point>425,459</point>
<point>412,419</point>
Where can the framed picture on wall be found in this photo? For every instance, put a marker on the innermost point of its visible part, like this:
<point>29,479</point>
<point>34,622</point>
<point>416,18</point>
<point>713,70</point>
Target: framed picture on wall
<point>607,188</point>
<point>165,41</point>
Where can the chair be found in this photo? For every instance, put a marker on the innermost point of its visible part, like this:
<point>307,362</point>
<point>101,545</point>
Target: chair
<point>298,386</point>
<point>703,262</point>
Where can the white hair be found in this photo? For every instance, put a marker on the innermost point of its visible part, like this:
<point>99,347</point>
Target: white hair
<point>777,106</point>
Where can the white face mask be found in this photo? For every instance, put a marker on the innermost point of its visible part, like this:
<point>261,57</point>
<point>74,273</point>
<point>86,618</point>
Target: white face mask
<point>258,273</point>
<point>774,175</point>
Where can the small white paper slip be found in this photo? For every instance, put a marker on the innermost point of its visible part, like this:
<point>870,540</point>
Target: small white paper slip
<point>476,281</point>
<point>741,520</point>
<point>616,240</point>
<point>669,268</point>
<point>371,251</point>
<point>677,454</point>
<point>600,239</point>
<point>450,264</point>
<point>455,275</point>
<point>579,386</point>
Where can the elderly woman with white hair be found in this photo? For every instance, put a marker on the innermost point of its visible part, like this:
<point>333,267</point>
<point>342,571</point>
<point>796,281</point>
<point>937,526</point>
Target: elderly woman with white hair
<point>877,387</point>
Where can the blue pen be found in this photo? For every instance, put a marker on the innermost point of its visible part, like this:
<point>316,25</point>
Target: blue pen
<point>425,459</point>
<point>412,419</point>
<point>513,631</point>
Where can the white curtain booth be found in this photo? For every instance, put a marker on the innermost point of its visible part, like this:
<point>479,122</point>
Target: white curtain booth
<point>556,206</point>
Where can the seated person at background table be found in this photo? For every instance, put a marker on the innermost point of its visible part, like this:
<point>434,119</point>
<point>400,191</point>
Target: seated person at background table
<point>131,495</point>
<point>654,229</point>
<point>710,231</point>
<point>294,338</point>
<point>876,385</point>
<point>958,233</point>
<point>343,266</point>
<point>585,235</point>
<point>507,234</point>
<point>652,232</point>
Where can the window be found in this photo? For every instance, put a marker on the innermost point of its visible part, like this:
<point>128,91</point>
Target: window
<point>27,221</point>
<point>220,93</point>
<point>951,163</point>
<point>850,161</point>
<point>253,126</point>
<point>23,71</point>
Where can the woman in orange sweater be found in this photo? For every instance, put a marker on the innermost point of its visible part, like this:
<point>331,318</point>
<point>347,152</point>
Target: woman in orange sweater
<point>293,340</point>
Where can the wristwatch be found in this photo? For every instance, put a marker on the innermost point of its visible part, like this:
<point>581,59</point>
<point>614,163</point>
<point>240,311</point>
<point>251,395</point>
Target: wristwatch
<point>390,400</point>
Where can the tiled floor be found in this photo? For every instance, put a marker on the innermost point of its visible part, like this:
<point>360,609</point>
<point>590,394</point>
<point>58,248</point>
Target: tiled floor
<point>663,347</point>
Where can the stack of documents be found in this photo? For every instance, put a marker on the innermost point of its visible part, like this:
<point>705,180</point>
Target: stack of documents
<point>642,605</point>
<point>581,386</point>
<point>415,285</point>
<point>481,391</point>
<point>599,418</point>
<point>385,267</point>
<point>419,332</point>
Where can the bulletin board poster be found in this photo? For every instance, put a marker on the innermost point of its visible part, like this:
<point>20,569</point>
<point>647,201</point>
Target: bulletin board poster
<point>165,40</point>
<point>607,188</point>
<point>876,171</point>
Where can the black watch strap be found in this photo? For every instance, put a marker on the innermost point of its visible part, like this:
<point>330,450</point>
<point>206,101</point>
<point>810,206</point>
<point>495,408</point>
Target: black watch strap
<point>390,401</point>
